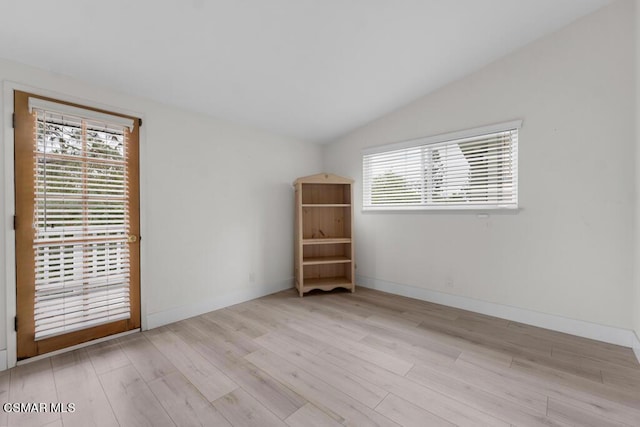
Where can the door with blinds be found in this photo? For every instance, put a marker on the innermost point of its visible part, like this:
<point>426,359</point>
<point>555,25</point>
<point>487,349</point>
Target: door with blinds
<point>77,224</point>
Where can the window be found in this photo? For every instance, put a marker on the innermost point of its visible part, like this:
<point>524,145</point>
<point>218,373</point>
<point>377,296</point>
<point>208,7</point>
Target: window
<point>475,169</point>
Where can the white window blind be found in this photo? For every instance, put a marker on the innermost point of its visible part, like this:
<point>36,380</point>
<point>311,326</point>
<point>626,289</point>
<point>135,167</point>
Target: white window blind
<point>475,169</point>
<point>81,220</point>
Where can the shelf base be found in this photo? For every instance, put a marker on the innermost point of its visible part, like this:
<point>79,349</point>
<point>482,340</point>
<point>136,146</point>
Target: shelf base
<point>325,284</point>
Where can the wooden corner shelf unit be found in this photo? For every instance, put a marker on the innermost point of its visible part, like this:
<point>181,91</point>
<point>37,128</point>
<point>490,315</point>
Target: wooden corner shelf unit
<point>324,233</point>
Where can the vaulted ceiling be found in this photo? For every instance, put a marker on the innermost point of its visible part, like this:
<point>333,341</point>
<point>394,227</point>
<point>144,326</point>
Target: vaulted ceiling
<point>312,69</point>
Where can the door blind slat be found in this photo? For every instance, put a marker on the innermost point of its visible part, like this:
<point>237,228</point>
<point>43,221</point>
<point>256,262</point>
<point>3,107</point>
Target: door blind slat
<point>81,219</point>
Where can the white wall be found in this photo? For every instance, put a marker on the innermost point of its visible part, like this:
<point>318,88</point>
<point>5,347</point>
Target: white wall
<point>217,203</point>
<point>636,258</point>
<point>568,252</point>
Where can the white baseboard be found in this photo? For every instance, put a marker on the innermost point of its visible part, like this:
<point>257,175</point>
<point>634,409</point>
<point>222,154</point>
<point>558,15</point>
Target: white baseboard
<point>608,334</point>
<point>636,346</point>
<point>161,318</point>
<point>3,360</point>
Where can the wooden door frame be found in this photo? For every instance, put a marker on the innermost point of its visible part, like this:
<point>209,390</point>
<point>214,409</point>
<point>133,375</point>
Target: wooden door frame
<point>8,357</point>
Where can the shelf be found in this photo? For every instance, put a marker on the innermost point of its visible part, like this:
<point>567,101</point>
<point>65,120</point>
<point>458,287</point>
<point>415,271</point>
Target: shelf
<point>326,205</point>
<point>327,283</point>
<point>325,260</point>
<point>326,241</point>
<point>323,253</point>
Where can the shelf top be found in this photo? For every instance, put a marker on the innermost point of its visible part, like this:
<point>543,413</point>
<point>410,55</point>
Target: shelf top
<point>323,178</point>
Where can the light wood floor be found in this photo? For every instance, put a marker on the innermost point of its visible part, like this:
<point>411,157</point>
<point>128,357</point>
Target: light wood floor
<point>360,359</point>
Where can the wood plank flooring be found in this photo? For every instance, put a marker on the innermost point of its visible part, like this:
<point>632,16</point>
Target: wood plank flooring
<point>329,359</point>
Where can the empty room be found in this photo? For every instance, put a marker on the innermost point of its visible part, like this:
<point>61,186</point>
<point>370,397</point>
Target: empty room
<point>320,213</point>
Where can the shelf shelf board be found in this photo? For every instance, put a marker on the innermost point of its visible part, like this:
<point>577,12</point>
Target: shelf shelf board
<point>326,205</point>
<point>325,260</point>
<point>326,241</point>
<point>326,283</point>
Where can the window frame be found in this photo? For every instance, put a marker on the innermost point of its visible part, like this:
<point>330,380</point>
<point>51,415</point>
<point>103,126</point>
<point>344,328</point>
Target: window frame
<point>439,139</point>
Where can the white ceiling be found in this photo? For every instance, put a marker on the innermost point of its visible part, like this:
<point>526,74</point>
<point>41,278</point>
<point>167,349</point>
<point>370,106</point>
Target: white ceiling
<point>312,69</point>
